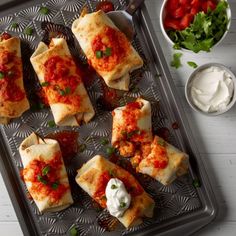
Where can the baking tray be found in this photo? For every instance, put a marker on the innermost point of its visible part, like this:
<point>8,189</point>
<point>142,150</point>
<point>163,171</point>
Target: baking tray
<point>180,208</point>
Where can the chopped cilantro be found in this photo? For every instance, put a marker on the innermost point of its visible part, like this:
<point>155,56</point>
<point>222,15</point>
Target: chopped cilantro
<point>98,54</point>
<point>44,10</point>
<point>45,170</point>
<point>196,183</point>
<point>192,64</point>
<point>55,185</point>
<point>104,141</point>
<point>161,142</point>
<point>107,52</point>
<point>110,150</point>
<point>45,84</point>
<point>73,231</point>
<point>51,123</point>
<point>41,179</point>
<point>1,75</point>
<point>176,60</point>
<point>113,186</point>
<point>205,31</point>
<point>28,31</point>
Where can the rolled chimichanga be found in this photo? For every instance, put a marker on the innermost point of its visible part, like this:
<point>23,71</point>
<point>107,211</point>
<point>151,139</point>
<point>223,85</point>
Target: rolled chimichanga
<point>132,136</point>
<point>115,188</point>
<point>107,49</point>
<point>63,86</point>
<point>132,125</point>
<point>13,100</point>
<point>164,162</point>
<point>44,173</point>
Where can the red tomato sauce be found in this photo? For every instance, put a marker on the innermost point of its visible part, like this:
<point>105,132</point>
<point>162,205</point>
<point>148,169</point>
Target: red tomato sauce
<point>11,71</point>
<point>41,190</point>
<point>105,6</point>
<point>116,42</point>
<point>68,143</point>
<point>132,187</point>
<point>62,82</point>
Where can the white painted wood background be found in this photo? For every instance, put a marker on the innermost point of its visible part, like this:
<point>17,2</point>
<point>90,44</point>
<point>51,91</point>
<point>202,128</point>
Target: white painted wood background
<point>215,136</point>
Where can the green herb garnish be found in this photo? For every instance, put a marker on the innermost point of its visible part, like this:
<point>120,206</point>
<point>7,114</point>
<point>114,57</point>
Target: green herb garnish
<point>205,31</point>
<point>192,64</point>
<point>110,150</point>
<point>64,92</point>
<point>132,133</point>
<point>41,179</point>
<point>2,75</point>
<point>113,186</point>
<point>28,31</point>
<point>67,90</point>
<point>55,185</point>
<point>99,54</point>
<point>14,25</point>
<point>45,170</point>
<point>73,231</point>
<point>45,84</point>
<point>107,52</point>
<point>51,123</point>
<point>176,60</point>
<point>44,10</point>
<point>104,141</point>
<point>122,204</point>
<point>82,147</point>
<point>161,142</point>
<point>196,183</point>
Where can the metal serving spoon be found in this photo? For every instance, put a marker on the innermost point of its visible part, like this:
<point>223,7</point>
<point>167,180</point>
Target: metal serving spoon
<point>123,19</point>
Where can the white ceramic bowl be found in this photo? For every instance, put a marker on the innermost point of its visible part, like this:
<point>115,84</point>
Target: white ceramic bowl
<point>189,85</point>
<point>162,16</point>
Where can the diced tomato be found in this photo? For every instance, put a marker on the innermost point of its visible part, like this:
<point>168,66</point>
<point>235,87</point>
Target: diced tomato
<point>105,6</point>
<point>178,13</point>
<point>5,36</point>
<point>194,11</point>
<point>172,24</point>
<point>185,21</point>
<point>210,4</point>
<point>184,2</point>
<point>172,5</point>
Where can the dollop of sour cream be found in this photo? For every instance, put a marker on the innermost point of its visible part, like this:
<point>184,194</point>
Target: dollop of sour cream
<point>118,199</point>
<point>212,89</point>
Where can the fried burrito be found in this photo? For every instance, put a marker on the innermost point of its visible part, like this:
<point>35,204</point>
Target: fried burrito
<point>62,83</point>
<point>107,49</point>
<point>13,100</point>
<point>44,173</point>
<point>115,189</point>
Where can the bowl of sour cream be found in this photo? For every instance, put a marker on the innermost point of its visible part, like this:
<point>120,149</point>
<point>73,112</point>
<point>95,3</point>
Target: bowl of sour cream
<point>211,89</point>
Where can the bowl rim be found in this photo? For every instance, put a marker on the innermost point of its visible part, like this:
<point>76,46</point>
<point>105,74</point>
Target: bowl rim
<point>188,89</point>
<point>161,17</point>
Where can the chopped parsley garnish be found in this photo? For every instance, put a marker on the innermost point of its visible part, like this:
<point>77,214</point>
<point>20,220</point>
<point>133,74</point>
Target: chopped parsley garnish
<point>1,75</point>
<point>14,25</point>
<point>82,147</point>
<point>205,31</point>
<point>45,84</point>
<point>45,170</point>
<point>28,31</point>
<point>110,150</point>
<point>64,92</point>
<point>192,64</point>
<point>41,179</point>
<point>113,186</point>
<point>176,60</point>
<point>99,54</point>
<point>55,185</point>
<point>104,141</point>
<point>161,142</point>
<point>107,52</point>
<point>73,231</point>
<point>122,204</point>
<point>196,183</point>
<point>51,123</point>
<point>44,10</point>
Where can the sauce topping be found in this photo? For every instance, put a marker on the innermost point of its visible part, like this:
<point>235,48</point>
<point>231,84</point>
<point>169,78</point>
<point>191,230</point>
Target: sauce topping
<point>109,48</point>
<point>105,6</point>
<point>45,178</point>
<point>10,72</point>
<point>61,82</point>
<point>68,143</point>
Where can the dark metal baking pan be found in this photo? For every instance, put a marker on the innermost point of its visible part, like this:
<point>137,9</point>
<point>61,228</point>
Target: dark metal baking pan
<point>180,208</point>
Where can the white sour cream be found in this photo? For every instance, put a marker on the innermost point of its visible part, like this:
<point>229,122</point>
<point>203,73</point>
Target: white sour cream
<point>212,89</point>
<point>118,199</point>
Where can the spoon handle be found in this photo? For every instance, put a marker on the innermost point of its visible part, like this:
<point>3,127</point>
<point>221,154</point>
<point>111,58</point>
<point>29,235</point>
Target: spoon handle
<point>133,6</point>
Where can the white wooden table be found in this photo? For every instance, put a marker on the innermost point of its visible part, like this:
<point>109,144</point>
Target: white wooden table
<point>215,136</point>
